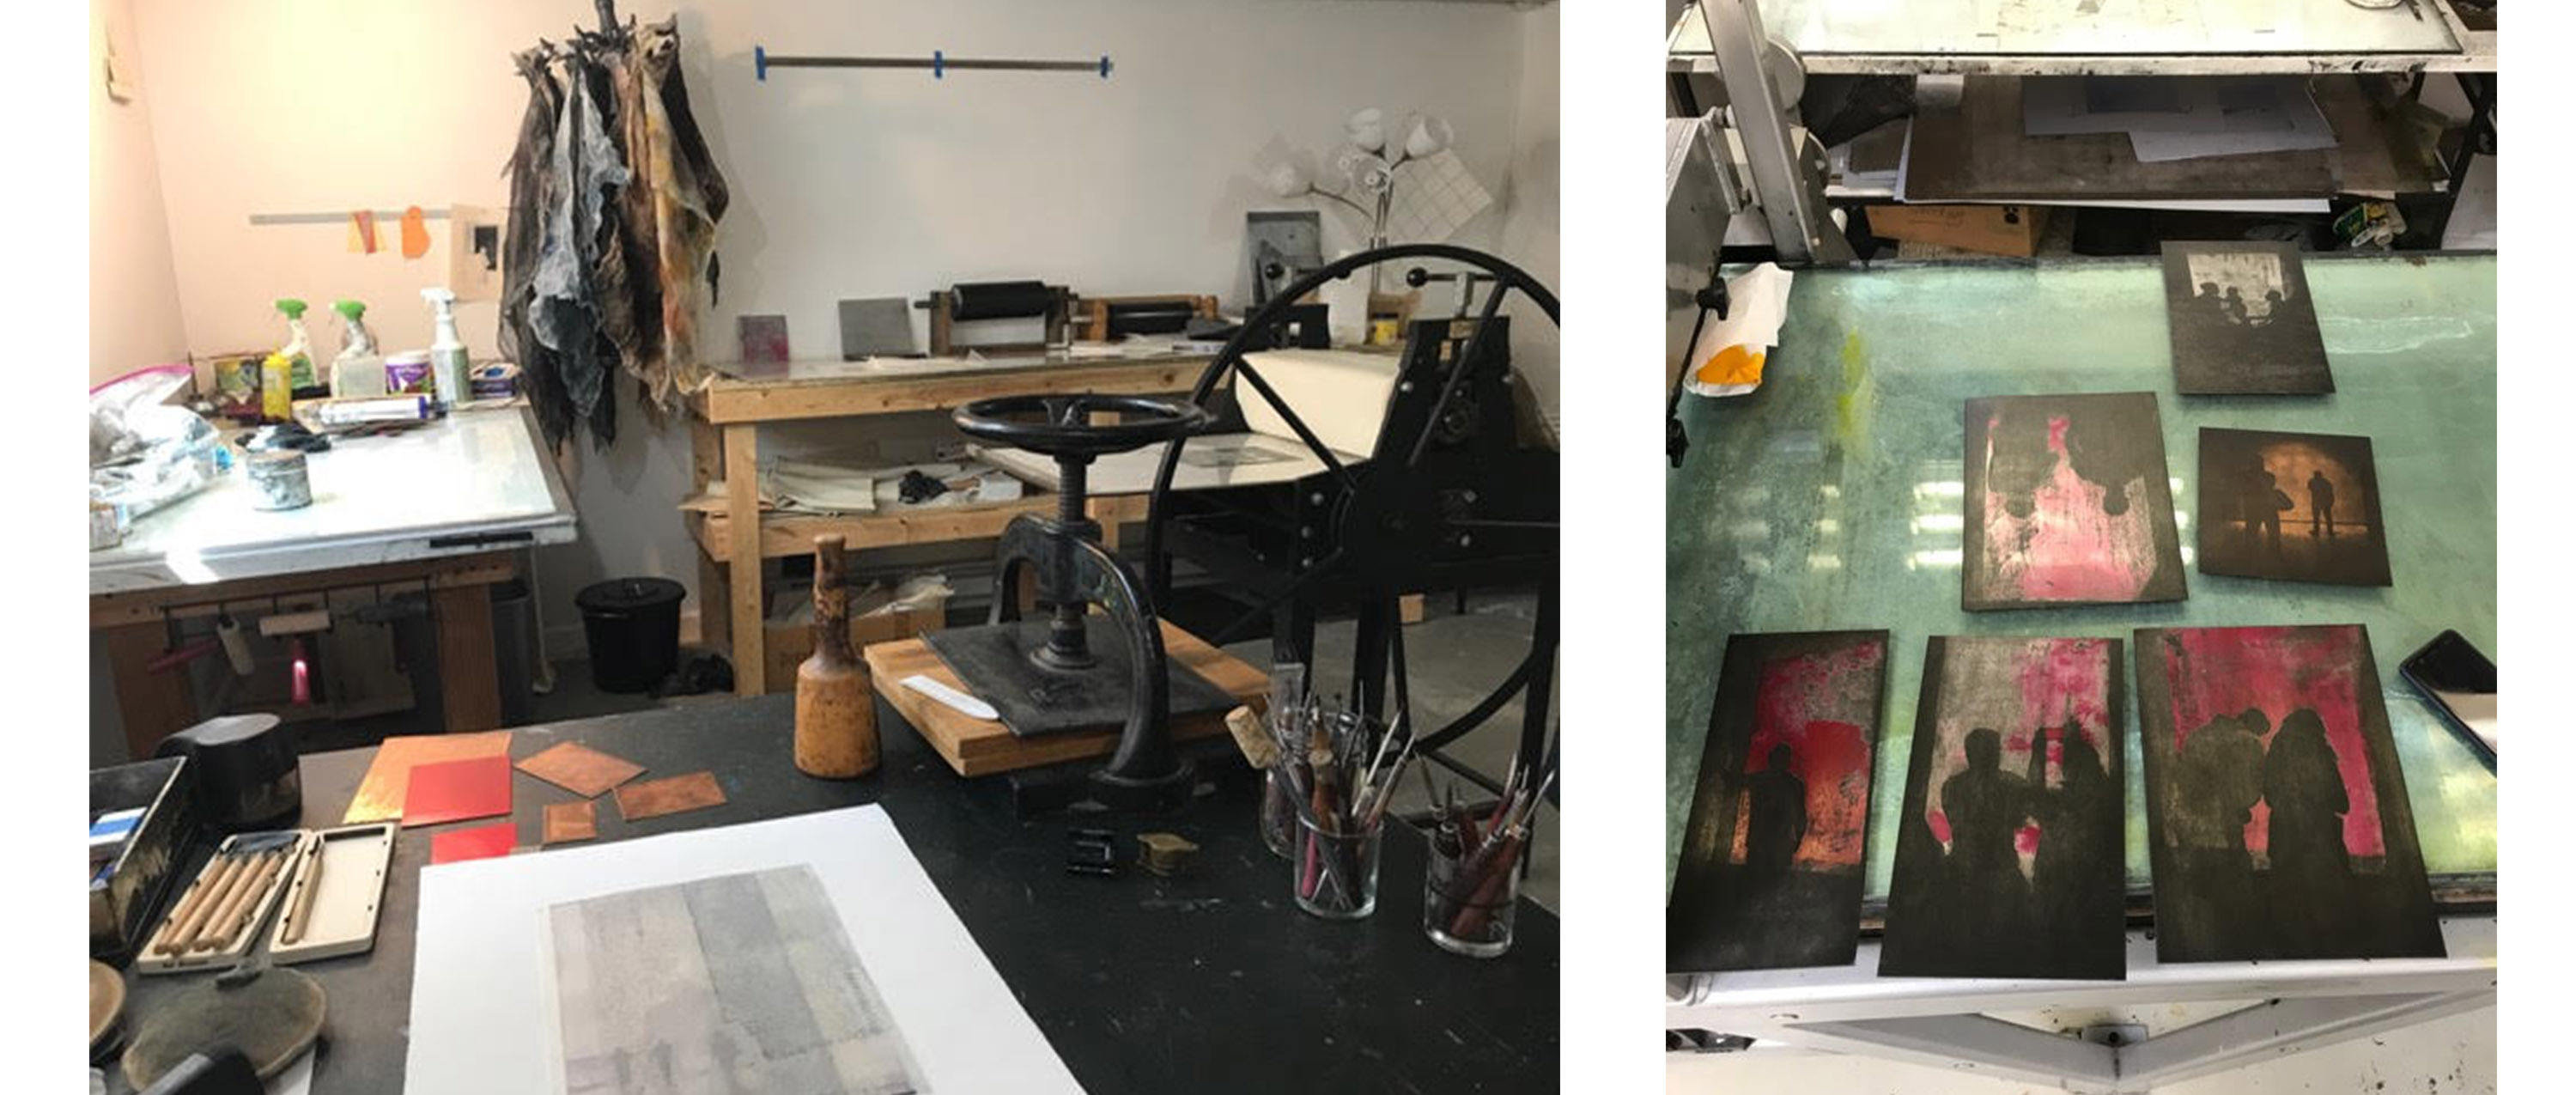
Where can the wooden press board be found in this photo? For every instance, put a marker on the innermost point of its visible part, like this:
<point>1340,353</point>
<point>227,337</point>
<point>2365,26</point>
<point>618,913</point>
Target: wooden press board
<point>343,920</point>
<point>150,960</point>
<point>977,747</point>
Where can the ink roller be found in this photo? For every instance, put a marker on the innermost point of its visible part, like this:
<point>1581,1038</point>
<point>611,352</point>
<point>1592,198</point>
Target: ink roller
<point>995,304</point>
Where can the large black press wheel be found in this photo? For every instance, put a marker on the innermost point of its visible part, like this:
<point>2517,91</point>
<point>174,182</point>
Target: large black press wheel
<point>1385,518</point>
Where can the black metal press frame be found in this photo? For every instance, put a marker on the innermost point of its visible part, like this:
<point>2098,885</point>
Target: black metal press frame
<point>1447,500</point>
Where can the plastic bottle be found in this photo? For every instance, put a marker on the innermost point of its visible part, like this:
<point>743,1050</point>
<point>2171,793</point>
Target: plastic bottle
<point>299,352</point>
<point>447,361</point>
<point>358,371</point>
<point>276,387</point>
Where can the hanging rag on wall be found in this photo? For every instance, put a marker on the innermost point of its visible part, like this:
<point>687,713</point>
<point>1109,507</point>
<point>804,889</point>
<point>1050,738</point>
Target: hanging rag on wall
<point>614,199</point>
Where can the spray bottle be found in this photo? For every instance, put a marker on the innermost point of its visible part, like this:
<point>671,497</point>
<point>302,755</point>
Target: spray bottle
<point>298,351</point>
<point>358,371</point>
<point>447,363</point>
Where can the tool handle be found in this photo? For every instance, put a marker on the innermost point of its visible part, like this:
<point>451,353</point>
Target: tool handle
<point>311,880</point>
<point>210,878</point>
<point>238,873</point>
<point>240,918</point>
<point>211,931</point>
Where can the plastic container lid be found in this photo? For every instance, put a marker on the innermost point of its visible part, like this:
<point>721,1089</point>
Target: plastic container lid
<point>626,595</point>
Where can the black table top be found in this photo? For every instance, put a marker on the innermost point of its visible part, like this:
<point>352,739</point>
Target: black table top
<point>1209,982</point>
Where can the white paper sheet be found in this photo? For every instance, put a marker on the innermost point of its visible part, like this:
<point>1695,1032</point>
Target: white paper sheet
<point>478,1019</point>
<point>1208,462</point>
<point>1339,394</point>
<point>1757,303</point>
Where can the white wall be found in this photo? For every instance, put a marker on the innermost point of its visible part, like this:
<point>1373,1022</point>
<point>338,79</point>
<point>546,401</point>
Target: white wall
<point>134,299</point>
<point>1529,228</point>
<point>845,183</point>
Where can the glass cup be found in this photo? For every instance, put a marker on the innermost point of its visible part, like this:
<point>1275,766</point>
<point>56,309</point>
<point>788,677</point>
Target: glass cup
<point>1470,915</point>
<point>1334,871</point>
<point>1278,815</point>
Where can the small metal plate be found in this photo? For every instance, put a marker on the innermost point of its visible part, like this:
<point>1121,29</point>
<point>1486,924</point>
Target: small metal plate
<point>993,663</point>
<point>580,769</point>
<point>677,794</point>
<point>570,821</point>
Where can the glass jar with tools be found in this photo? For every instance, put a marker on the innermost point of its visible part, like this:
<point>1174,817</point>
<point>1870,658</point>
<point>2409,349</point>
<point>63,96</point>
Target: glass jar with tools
<point>1278,815</point>
<point>1341,773</point>
<point>1471,890</point>
<point>1284,726</point>
<point>1467,907</point>
<point>1336,866</point>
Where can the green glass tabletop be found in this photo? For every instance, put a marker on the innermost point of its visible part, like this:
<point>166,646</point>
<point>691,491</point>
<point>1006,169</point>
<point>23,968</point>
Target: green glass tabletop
<point>1830,498</point>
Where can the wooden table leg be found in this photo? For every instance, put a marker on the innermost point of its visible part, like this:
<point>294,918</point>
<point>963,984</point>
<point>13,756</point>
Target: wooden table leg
<point>714,608</point>
<point>469,678</point>
<point>742,532</point>
<point>152,705</point>
<point>715,604</point>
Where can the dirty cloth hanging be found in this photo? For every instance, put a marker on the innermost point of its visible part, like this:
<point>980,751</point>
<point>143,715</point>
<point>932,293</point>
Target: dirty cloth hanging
<point>614,200</point>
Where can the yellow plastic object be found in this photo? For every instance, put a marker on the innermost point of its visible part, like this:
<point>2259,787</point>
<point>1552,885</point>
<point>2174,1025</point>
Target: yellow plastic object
<point>276,387</point>
<point>1737,364</point>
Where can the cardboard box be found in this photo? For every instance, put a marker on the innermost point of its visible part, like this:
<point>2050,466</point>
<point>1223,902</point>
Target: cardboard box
<point>787,646</point>
<point>2012,230</point>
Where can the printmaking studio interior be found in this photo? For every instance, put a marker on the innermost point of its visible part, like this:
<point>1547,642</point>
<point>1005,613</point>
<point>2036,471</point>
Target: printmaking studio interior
<point>2081,546</point>
<point>785,546</point>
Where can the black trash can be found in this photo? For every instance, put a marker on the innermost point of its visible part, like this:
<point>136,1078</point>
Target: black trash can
<point>633,625</point>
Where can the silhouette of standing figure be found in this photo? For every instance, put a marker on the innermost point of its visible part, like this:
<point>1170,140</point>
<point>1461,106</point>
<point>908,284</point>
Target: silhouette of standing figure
<point>2219,778</point>
<point>2262,501</point>
<point>2071,818</point>
<point>1779,818</point>
<point>2320,505</point>
<point>1986,806</point>
<point>2304,786</point>
<point>2235,306</point>
<point>2311,883</point>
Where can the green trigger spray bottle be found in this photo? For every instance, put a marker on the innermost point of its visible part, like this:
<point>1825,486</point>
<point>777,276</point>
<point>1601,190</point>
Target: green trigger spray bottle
<point>298,352</point>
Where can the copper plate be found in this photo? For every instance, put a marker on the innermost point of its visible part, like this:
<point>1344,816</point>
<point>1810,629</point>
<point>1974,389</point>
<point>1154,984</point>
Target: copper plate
<point>677,794</point>
<point>580,769</point>
<point>380,793</point>
<point>570,821</point>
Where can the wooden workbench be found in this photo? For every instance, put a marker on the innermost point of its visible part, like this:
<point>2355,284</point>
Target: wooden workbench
<point>1098,963</point>
<point>725,419</point>
<point>443,508</point>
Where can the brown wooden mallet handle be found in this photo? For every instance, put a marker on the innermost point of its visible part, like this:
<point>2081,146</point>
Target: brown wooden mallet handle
<point>303,910</point>
<point>213,884</point>
<point>243,886</point>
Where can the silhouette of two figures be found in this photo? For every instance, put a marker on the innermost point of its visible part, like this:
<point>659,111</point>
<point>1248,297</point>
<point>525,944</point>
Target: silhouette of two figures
<point>1988,808</point>
<point>2225,770</point>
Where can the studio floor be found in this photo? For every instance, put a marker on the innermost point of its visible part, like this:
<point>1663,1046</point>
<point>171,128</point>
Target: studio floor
<point>2453,1056</point>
